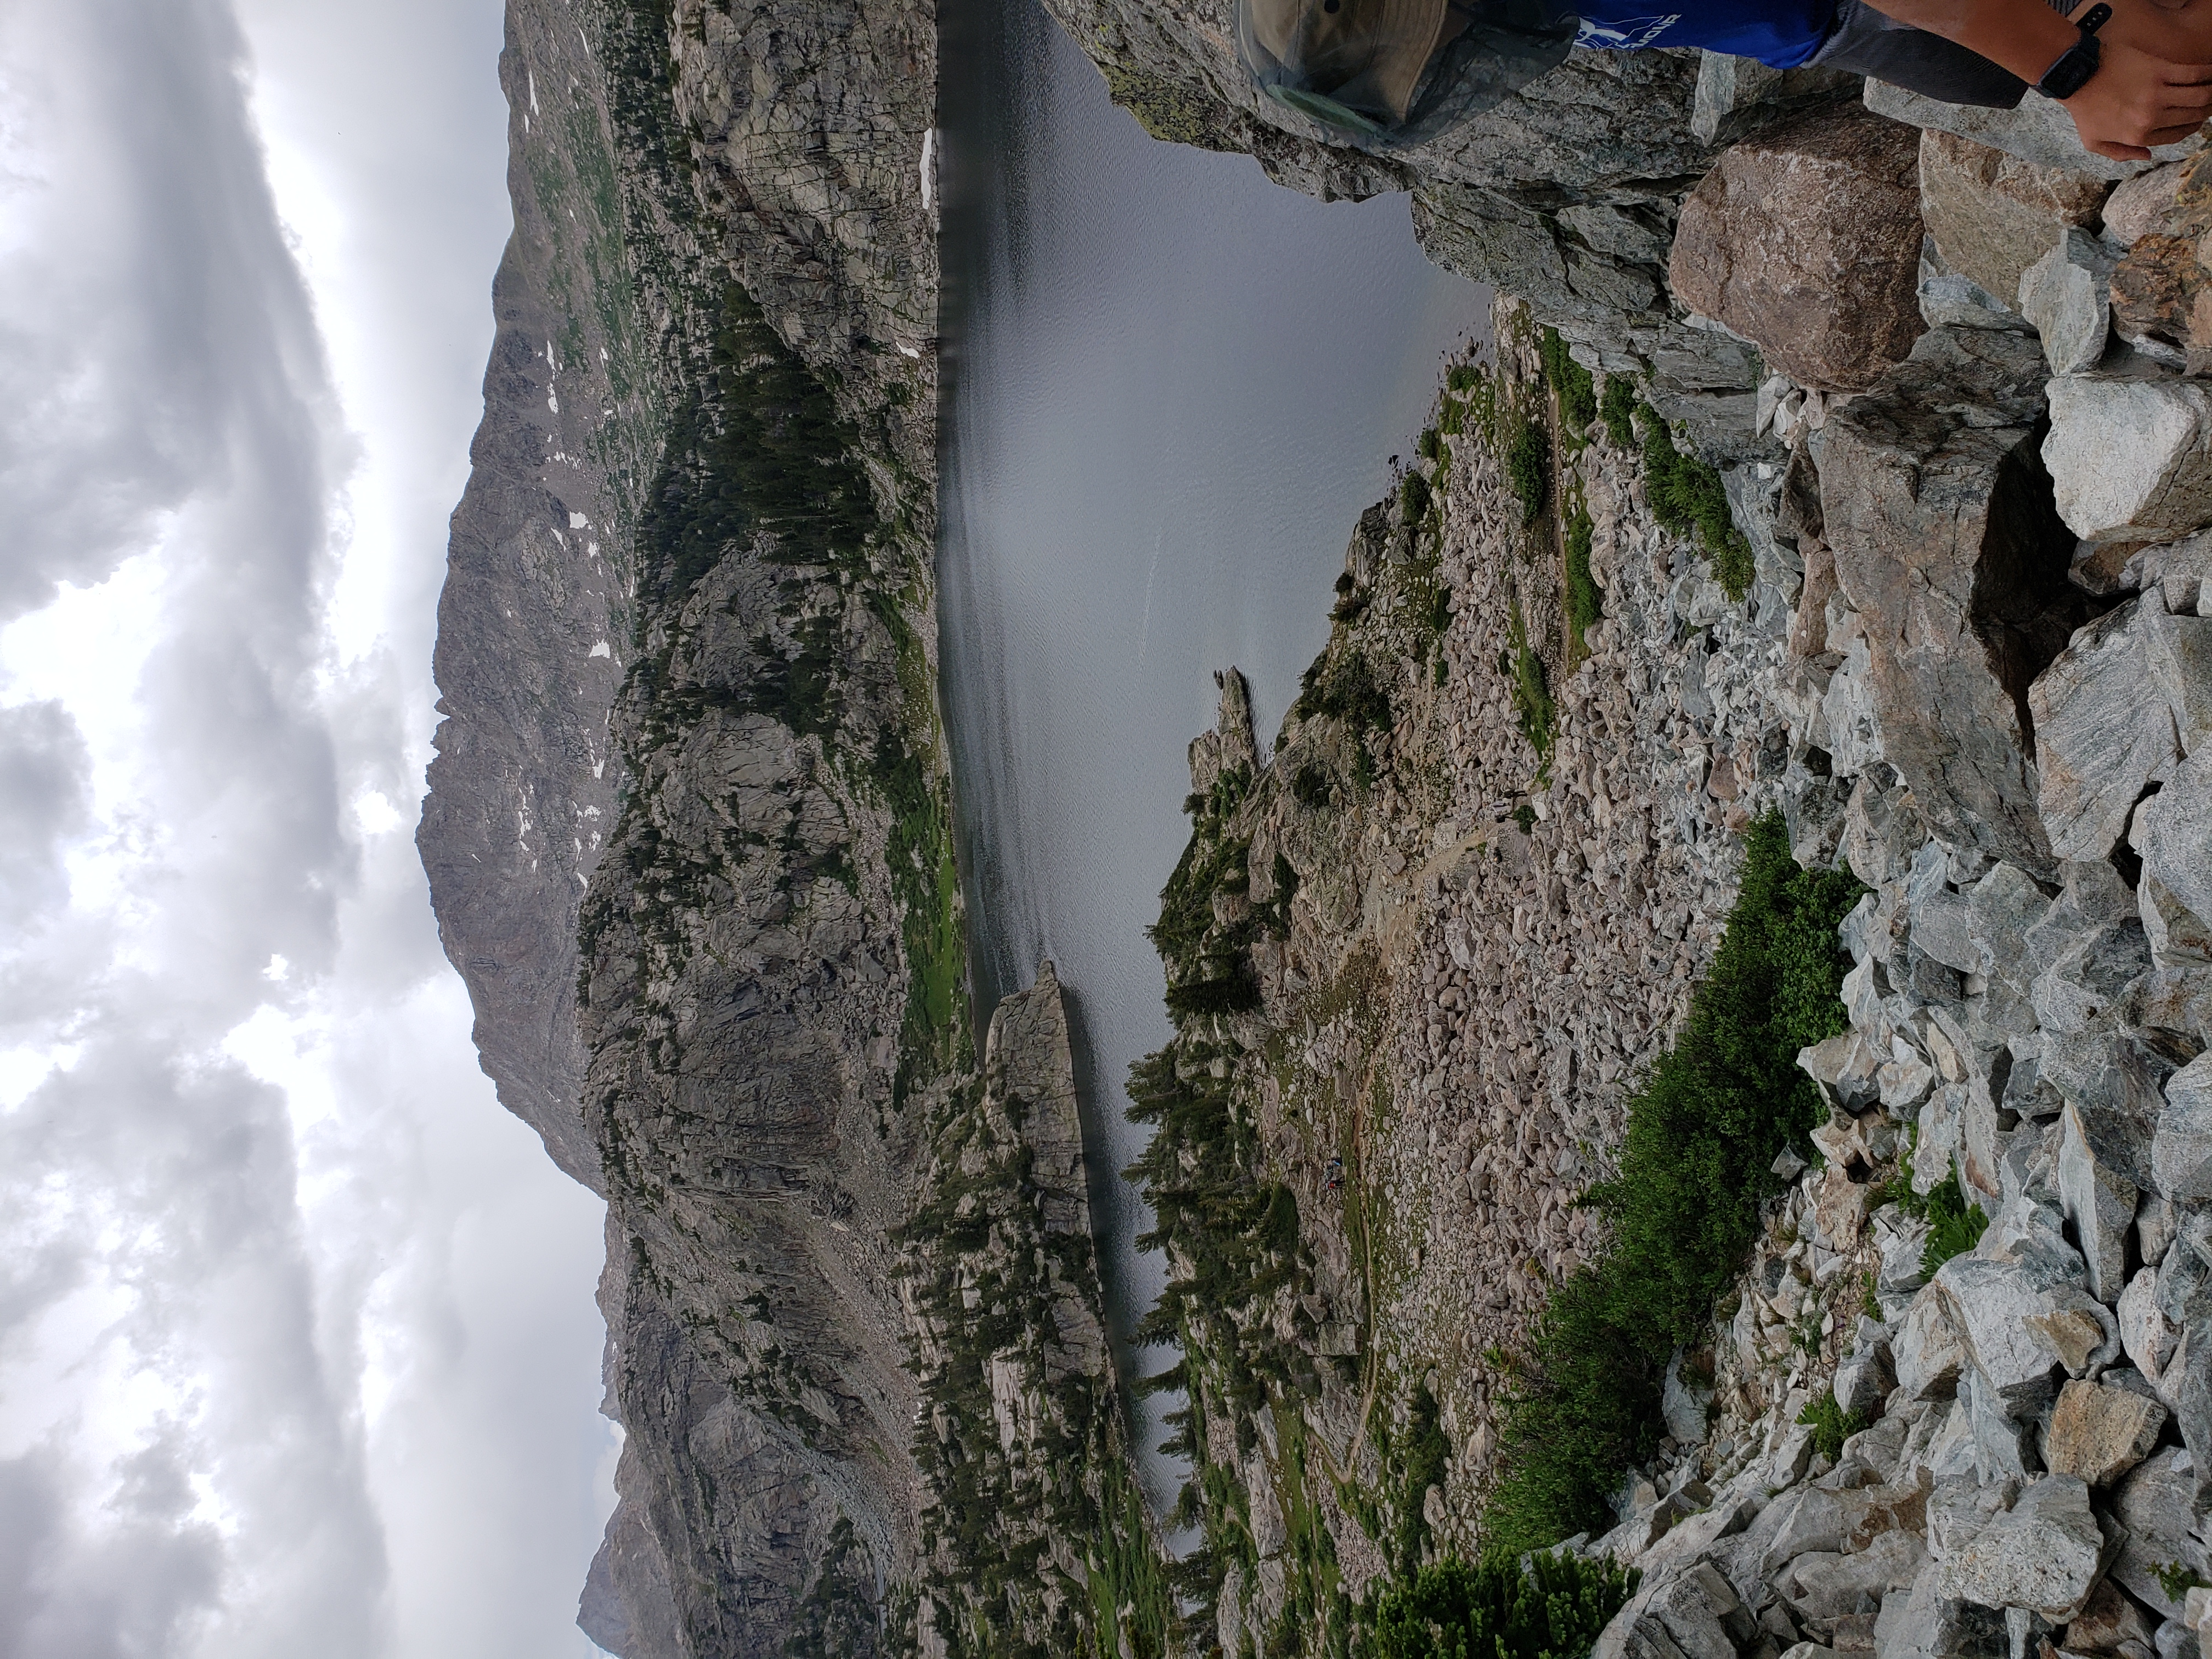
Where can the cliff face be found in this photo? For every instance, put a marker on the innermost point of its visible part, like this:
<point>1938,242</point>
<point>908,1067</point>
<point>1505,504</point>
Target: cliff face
<point>772,956</point>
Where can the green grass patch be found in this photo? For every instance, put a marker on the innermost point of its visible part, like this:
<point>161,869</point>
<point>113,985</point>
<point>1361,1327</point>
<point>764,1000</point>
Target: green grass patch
<point>1532,690</point>
<point>1583,606</point>
<point>1576,389</point>
<point>1528,464</point>
<point>1955,1226</point>
<point>925,878</point>
<point>1618,410</point>
<point>1686,495</point>
<point>2178,1579</point>
<point>1555,1610</point>
<point>1704,1130</point>
<point>1831,1425</point>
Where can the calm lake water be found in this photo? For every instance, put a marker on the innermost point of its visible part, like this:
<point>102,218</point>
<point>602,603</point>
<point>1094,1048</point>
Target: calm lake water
<point>1172,388</point>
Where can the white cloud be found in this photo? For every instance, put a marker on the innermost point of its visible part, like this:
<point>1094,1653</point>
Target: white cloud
<point>297,1352</point>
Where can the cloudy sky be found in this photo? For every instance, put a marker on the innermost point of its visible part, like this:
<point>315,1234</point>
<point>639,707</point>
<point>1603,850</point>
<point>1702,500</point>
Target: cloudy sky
<point>297,1349</point>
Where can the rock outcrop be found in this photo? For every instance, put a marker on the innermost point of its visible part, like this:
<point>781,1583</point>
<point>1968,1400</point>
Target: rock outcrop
<point>1937,513</point>
<point>1987,549</point>
<point>1559,196</point>
<point>1806,240</point>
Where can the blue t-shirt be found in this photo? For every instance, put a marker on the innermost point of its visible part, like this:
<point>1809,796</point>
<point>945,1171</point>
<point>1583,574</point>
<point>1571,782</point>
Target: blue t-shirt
<point>1780,33</point>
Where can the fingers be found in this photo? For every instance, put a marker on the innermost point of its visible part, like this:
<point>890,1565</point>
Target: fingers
<point>2119,152</point>
<point>2187,93</point>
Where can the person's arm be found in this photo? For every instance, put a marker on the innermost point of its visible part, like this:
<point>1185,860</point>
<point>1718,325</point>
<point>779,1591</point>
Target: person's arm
<point>2140,94</point>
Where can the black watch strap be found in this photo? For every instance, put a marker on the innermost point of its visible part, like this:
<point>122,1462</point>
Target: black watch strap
<point>2079,61</point>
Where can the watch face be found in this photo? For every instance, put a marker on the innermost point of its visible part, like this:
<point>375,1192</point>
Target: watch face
<point>2070,73</point>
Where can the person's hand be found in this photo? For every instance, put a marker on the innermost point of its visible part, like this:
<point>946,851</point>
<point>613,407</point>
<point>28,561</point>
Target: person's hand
<point>2135,100</point>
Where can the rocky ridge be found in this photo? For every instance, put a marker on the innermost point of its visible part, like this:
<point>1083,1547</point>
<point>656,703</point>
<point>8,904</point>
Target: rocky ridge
<point>1554,197</point>
<point>1979,508</point>
<point>1463,931</point>
<point>2019,1412</point>
<point>534,620</point>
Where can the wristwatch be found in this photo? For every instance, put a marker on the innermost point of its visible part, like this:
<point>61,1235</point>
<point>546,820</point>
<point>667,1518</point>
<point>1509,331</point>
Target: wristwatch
<point>2079,61</point>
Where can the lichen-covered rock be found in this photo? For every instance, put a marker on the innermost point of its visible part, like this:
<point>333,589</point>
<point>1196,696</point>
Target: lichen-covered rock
<point>2181,1148</point>
<point>2179,651</point>
<point>2173,832</point>
<point>2045,1553</point>
<point>2103,731</point>
<point>1994,215</point>
<point>2038,131</point>
<point>1931,1349</point>
<point>2100,1433</point>
<point>1807,241</point>
<point>2140,206</point>
<point>2153,1503</point>
<point>2101,1203</point>
<point>2110,1623</point>
<point>1927,1621</point>
<point>2162,291</point>
<point>1946,543</point>
<point>2130,456</point>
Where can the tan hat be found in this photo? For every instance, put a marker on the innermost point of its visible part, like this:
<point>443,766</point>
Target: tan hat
<point>1333,57</point>
<point>1390,74</point>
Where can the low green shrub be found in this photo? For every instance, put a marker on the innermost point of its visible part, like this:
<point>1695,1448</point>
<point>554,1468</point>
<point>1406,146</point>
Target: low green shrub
<point>1528,467</point>
<point>1686,495</point>
<point>1449,1610</point>
<point>1344,686</point>
<point>1618,409</point>
<point>1532,690</point>
<point>1583,606</point>
<point>1577,390</point>
<point>1955,1226</point>
<point>2178,1579</point>
<point>1431,446</point>
<point>1695,1163</point>
<point>1831,1425</point>
<point>1414,496</point>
